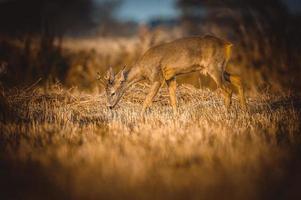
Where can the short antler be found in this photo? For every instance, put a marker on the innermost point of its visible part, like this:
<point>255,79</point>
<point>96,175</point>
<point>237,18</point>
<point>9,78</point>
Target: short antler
<point>110,75</point>
<point>98,77</point>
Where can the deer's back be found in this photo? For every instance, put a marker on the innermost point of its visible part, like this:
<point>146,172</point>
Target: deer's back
<point>185,55</point>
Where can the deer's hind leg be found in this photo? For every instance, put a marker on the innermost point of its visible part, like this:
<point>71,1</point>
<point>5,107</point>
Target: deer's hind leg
<point>227,93</point>
<point>216,75</point>
<point>236,82</point>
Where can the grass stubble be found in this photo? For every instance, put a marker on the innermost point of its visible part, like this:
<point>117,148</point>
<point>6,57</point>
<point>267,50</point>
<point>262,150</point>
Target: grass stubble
<point>66,144</point>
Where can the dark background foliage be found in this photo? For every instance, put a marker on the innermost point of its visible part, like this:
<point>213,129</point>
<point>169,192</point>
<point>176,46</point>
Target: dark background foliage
<point>265,34</point>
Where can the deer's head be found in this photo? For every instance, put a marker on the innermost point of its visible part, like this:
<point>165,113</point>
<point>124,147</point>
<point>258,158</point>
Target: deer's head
<point>114,86</point>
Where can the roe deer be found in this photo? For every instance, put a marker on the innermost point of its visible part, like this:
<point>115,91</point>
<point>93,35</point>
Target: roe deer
<point>206,54</point>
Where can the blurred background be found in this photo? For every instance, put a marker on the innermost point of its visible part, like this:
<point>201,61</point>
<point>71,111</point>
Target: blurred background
<point>70,41</point>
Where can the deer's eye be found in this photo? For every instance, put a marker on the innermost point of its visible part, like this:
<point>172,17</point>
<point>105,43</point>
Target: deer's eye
<point>113,94</point>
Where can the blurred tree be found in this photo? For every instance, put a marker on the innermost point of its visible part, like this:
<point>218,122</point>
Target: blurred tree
<point>39,27</point>
<point>40,16</point>
<point>272,12</point>
<point>104,16</point>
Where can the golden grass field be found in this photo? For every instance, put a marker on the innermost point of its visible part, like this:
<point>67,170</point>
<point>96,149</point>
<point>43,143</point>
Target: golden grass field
<point>65,144</point>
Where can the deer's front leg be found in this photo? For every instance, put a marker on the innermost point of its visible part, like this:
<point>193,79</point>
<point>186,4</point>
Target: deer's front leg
<point>150,96</point>
<point>172,86</point>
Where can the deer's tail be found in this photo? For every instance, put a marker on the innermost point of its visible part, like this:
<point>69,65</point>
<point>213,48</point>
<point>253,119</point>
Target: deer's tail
<point>227,56</point>
<point>228,51</point>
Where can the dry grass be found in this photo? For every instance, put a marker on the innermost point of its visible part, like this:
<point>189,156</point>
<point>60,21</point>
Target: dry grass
<point>67,144</point>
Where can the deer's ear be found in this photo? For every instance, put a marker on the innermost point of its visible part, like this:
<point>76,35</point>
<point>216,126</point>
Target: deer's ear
<point>110,75</point>
<point>124,74</point>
